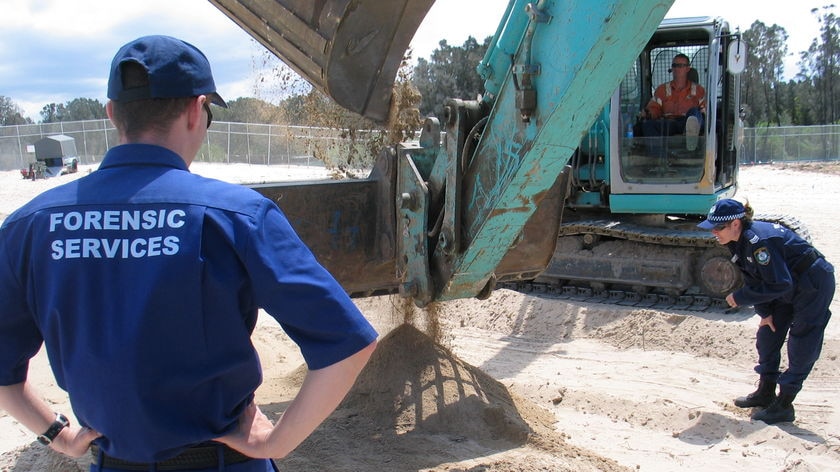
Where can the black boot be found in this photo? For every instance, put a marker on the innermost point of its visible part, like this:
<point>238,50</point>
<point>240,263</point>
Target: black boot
<point>781,410</point>
<point>763,395</point>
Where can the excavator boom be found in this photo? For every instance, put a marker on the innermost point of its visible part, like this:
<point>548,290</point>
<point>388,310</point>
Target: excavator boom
<point>444,220</point>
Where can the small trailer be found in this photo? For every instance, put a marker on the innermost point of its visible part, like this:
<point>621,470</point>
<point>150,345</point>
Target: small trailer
<point>54,156</point>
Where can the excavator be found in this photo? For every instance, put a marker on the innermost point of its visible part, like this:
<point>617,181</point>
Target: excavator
<point>541,181</point>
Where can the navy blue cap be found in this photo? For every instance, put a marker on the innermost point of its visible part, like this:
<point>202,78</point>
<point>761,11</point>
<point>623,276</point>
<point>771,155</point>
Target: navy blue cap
<point>176,69</point>
<point>724,211</point>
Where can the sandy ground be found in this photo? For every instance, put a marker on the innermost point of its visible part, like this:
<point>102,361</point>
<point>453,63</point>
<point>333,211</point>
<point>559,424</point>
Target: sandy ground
<point>526,383</point>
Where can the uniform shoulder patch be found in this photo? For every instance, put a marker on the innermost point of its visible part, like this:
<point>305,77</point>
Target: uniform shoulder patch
<point>762,256</point>
<point>754,238</point>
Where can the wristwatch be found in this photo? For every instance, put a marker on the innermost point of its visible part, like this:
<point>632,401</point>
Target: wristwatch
<point>60,423</point>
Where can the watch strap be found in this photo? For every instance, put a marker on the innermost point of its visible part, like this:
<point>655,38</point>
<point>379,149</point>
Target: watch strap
<point>60,423</point>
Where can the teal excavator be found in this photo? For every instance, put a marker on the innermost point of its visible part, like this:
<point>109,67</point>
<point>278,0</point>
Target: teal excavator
<point>542,181</point>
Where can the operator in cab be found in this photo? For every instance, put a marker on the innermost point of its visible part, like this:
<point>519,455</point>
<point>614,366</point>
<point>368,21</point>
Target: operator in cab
<point>677,106</point>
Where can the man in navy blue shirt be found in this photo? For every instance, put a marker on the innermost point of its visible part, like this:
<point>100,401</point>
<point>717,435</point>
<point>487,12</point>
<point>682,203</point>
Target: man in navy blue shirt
<point>144,282</point>
<point>791,286</point>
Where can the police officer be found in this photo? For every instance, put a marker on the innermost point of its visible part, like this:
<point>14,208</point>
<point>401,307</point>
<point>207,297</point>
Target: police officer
<point>791,286</point>
<point>144,282</point>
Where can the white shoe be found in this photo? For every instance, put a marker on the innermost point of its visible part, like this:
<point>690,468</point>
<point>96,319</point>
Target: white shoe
<point>692,131</point>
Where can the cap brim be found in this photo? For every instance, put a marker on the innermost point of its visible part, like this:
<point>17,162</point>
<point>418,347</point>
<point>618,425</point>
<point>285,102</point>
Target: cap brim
<point>706,224</point>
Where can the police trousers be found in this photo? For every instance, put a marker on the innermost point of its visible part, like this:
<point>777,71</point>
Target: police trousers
<point>802,322</point>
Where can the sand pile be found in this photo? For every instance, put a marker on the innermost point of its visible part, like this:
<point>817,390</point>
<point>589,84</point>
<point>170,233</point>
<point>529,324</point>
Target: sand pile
<point>37,458</point>
<point>412,384</point>
<point>415,392</point>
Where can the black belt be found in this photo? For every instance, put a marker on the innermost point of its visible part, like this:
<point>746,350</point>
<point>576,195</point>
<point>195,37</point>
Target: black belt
<point>806,262</point>
<point>205,456</point>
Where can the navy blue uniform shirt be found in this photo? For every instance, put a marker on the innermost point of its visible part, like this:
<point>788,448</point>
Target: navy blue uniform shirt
<point>765,253</point>
<point>144,282</point>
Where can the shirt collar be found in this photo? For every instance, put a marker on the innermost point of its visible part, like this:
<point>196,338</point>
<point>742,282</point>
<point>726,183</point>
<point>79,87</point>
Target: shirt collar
<point>142,155</point>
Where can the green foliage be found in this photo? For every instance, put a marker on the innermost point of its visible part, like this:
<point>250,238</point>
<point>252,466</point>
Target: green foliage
<point>449,73</point>
<point>10,113</point>
<point>78,109</point>
<point>293,109</point>
<point>762,79</point>
<point>821,67</point>
<point>813,97</point>
<point>249,110</point>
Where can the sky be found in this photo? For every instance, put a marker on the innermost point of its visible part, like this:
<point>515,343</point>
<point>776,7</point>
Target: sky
<point>52,51</point>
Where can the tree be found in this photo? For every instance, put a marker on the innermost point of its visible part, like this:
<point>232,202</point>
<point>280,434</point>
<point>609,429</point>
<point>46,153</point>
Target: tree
<point>293,110</point>
<point>449,73</point>
<point>763,79</point>
<point>10,113</point>
<point>248,110</point>
<point>797,102</point>
<point>78,109</point>
<point>51,113</point>
<point>821,67</point>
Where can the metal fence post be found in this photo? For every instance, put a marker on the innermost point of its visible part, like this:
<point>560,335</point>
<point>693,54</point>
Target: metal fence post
<point>228,143</point>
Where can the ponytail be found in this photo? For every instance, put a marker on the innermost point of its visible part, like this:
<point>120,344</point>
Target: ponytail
<point>748,214</point>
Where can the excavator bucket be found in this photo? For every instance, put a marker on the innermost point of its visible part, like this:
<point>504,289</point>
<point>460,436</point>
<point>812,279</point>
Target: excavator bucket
<point>349,49</point>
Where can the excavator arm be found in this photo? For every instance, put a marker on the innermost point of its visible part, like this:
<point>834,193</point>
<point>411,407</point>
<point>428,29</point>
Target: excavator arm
<point>439,220</point>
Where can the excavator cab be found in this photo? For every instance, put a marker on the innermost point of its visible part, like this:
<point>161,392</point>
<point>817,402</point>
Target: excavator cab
<point>664,158</point>
<point>629,229</point>
<point>673,174</point>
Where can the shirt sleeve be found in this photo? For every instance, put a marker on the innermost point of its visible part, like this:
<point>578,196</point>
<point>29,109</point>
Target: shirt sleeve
<point>654,106</point>
<point>301,294</point>
<point>20,338</point>
<point>701,96</point>
<point>770,280</point>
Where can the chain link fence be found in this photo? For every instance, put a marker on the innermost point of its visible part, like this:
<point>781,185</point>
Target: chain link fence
<point>93,138</point>
<point>225,143</point>
<point>334,148</point>
<point>791,143</point>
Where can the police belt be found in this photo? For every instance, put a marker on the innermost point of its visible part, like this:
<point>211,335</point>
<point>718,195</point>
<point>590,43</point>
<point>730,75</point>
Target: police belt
<point>806,262</point>
<point>203,456</point>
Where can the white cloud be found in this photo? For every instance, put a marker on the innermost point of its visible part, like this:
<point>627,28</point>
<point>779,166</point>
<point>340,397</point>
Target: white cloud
<point>66,20</point>
<point>69,19</point>
<point>63,48</point>
<point>57,50</point>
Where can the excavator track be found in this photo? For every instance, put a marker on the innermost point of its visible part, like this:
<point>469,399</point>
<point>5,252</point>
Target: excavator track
<point>676,267</point>
<point>621,297</point>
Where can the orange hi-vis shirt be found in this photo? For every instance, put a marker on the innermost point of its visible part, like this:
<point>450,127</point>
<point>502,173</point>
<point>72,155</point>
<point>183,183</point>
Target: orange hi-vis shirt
<point>670,102</point>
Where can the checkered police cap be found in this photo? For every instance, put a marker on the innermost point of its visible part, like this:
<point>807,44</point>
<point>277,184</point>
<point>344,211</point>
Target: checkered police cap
<point>723,211</point>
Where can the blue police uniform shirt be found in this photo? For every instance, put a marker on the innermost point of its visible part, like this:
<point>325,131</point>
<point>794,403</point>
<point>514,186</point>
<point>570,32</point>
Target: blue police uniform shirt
<point>765,253</point>
<point>144,281</point>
